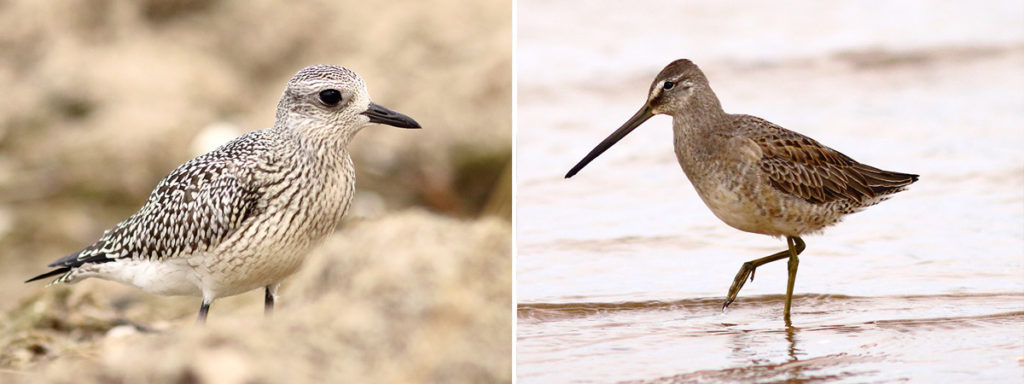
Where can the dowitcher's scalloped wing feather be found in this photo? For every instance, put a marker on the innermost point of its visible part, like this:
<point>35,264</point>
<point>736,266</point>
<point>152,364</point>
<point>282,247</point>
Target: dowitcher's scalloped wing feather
<point>802,167</point>
<point>191,210</point>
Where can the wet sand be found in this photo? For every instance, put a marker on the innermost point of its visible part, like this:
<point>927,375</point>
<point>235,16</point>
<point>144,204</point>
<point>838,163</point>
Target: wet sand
<point>837,339</point>
<point>622,270</point>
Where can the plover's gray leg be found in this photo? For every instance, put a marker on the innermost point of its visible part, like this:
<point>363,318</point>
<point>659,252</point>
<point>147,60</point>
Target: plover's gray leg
<point>203,310</point>
<point>269,297</point>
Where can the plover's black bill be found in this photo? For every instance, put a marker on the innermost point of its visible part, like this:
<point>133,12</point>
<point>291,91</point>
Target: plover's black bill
<point>380,114</point>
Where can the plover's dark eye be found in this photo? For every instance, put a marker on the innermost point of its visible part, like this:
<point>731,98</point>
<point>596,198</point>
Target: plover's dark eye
<point>668,85</point>
<point>330,97</point>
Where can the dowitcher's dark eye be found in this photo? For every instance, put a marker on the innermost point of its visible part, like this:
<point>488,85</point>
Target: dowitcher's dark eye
<point>668,85</point>
<point>330,97</point>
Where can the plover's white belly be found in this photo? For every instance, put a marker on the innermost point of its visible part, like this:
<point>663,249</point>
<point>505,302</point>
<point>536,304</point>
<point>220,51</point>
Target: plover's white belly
<point>244,262</point>
<point>162,277</point>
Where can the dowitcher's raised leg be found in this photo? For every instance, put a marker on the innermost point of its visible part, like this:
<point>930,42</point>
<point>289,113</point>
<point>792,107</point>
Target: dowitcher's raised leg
<point>796,245</point>
<point>749,267</point>
<point>203,310</point>
<point>268,299</point>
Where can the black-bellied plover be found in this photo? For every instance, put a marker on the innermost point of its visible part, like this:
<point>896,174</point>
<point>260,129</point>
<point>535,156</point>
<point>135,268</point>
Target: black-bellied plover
<point>245,215</point>
<point>754,175</point>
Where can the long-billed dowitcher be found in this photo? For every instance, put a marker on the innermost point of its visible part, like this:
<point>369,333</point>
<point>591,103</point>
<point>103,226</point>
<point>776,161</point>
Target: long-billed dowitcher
<point>244,215</point>
<point>754,175</point>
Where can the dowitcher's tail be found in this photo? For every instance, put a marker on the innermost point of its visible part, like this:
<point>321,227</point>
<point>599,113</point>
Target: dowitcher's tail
<point>884,182</point>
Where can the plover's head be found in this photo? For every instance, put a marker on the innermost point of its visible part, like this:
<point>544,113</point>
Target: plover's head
<point>333,99</point>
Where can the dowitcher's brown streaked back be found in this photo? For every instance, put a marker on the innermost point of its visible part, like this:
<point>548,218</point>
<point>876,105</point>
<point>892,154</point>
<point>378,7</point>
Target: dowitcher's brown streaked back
<point>754,175</point>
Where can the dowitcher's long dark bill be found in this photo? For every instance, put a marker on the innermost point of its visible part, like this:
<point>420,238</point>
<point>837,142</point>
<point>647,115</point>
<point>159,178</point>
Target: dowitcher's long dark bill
<point>382,115</point>
<point>639,118</point>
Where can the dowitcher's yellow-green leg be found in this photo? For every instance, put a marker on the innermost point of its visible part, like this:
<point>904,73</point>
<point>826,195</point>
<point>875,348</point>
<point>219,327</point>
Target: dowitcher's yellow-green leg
<point>796,245</point>
<point>794,262</point>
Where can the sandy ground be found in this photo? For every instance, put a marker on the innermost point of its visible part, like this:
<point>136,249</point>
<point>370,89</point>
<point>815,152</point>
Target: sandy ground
<point>412,297</point>
<point>102,99</point>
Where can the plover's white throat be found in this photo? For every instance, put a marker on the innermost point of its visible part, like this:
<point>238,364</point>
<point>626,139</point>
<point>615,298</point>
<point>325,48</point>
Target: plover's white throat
<point>244,215</point>
<point>754,175</point>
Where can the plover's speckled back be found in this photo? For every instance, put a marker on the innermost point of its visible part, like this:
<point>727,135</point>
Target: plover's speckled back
<point>754,175</point>
<point>244,215</point>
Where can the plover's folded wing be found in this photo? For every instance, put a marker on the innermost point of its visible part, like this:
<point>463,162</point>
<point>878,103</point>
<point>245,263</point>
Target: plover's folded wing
<point>191,210</point>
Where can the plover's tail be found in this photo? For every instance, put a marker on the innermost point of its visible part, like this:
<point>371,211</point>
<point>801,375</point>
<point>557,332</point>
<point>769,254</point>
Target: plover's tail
<point>65,265</point>
<point>55,272</point>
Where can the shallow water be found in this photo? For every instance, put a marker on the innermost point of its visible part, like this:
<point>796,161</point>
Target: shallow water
<point>838,338</point>
<point>621,270</point>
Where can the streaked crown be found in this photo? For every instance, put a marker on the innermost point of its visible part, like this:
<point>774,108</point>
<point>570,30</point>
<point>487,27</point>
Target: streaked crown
<point>679,86</point>
<point>328,98</point>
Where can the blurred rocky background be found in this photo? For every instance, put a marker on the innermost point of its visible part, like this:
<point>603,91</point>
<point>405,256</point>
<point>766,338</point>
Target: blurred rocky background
<point>103,98</point>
